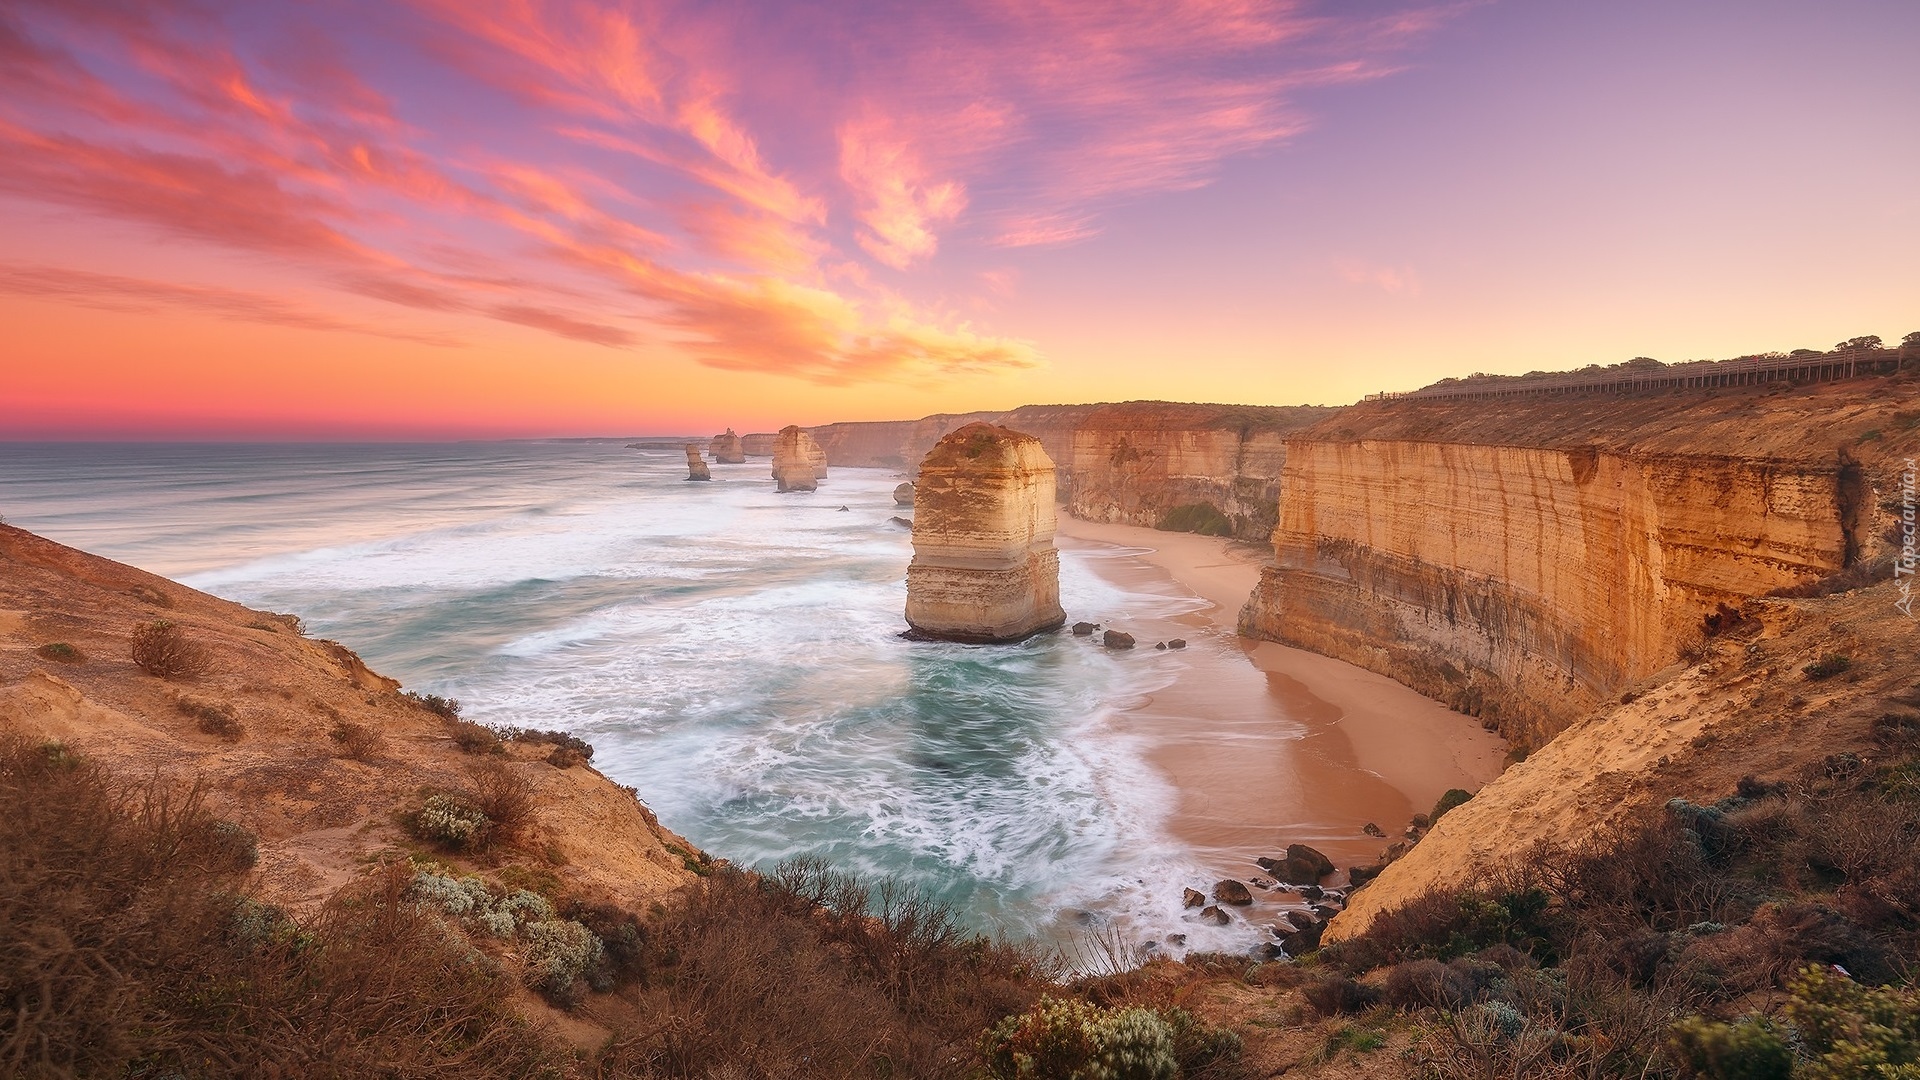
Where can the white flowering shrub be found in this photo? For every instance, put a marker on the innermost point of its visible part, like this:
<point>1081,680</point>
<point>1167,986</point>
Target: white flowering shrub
<point>446,820</point>
<point>557,952</point>
<point>1064,1039</point>
<point>462,898</point>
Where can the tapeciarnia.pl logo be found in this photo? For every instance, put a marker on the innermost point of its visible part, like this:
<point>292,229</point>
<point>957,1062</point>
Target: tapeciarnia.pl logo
<point>1903,564</point>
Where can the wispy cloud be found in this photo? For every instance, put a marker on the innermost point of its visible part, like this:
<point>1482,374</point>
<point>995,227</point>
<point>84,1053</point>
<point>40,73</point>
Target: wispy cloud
<point>755,186</point>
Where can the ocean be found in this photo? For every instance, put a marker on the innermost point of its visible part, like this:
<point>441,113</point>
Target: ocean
<point>732,653</point>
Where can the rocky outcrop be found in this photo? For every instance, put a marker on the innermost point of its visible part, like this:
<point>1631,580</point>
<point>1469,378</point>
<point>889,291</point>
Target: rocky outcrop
<point>903,495</point>
<point>697,465</point>
<point>798,463</point>
<point>1526,563</point>
<point>1197,468</point>
<point>984,567</point>
<point>727,448</point>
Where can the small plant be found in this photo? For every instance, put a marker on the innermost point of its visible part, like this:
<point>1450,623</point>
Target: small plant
<point>445,708</point>
<point>60,653</point>
<point>503,794</point>
<point>557,952</point>
<point>1451,798</point>
<point>163,650</point>
<point>1202,518</point>
<point>233,843</point>
<point>1072,1040</point>
<point>474,738</point>
<point>1827,667</point>
<point>216,720</point>
<point>579,748</point>
<point>1748,1050</point>
<point>358,741</point>
<point>451,822</point>
<point>1335,994</point>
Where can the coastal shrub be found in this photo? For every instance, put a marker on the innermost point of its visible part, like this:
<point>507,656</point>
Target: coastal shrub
<point>1827,667</point>
<point>1750,1049</point>
<point>504,796</point>
<point>164,650</point>
<point>445,708</point>
<point>60,652</point>
<point>474,738</point>
<point>358,741</point>
<point>451,822</point>
<point>214,719</point>
<point>1066,1039</point>
<point>1850,1030</point>
<point>557,953</point>
<point>579,749</point>
<point>1451,798</point>
<point>1334,994</point>
<point>1202,518</point>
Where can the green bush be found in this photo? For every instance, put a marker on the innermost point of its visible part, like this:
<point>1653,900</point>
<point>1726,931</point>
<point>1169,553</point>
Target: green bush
<point>60,653</point>
<point>1451,798</point>
<point>1064,1039</point>
<point>1203,518</point>
<point>1851,1030</point>
<point>1827,667</point>
<point>1748,1050</point>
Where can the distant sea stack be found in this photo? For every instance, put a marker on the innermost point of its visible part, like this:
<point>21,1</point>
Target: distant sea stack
<point>727,449</point>
<point>984,567</point>
<point>903,495</point>
<point>794,461</point>
<point>697,465</point>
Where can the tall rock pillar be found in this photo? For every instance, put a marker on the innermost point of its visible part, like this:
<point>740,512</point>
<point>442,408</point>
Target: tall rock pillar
<point>984,566</point>
<point>697,465</point>
<point>795,455</point>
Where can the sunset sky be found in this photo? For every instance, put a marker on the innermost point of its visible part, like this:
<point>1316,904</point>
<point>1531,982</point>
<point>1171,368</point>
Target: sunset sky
<point>452,218</point>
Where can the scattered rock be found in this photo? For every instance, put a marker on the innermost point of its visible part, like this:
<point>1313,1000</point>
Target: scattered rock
<point>1302,866</point>
<point>905,523</point>
<point>1373,830</point>
<point>1395,851</point>
<point>1265,883</point>
<point>1360,875</point>
<point>1302,942</point>
<point>1161,645</point>
<point>903,495</point>
<point>1192,898</point>
<point>1229,891</point>
<point>1176,940</point>
<point>1114,639</point>
<point>1212,914</point>
<point>1269,950</point>
<point>1313,892</point>
<point>1084,629</point>
<point>1177,643</point>
<point>1325,912</point>
<point>1300,920</point>
<point>843,509</point>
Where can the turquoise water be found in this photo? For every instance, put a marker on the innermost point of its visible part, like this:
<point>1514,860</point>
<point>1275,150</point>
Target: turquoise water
<point>731,652</point>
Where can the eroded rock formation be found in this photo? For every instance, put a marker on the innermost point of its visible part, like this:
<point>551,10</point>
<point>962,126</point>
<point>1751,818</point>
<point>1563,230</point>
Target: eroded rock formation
<point>984,566</point>
<point>903,495</point>
<point>727,448</point>
<point>697,465</point>
<point>798,463</point>
<point>1197,468</point>
<point>1528,563</point>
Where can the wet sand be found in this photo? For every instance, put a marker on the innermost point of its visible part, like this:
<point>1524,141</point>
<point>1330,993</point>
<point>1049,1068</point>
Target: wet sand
<point>1269,745</point>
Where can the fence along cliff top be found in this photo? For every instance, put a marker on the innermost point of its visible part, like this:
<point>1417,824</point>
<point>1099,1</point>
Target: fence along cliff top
<point>1630,377</point>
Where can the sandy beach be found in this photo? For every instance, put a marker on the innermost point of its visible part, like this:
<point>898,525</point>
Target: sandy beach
<point>1269,745</point>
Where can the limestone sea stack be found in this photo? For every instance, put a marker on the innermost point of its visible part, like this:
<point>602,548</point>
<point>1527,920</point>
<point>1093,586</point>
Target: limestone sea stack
<point>794,454</point>
<point>903,495</point>
<point>984,567</point>
<point>727,449</point>
<point>697,465</point>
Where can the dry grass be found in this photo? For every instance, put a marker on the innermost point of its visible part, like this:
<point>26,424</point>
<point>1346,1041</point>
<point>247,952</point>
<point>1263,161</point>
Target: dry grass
<point>505,794</point>
<point>164,650</point>
<point>358,741</point>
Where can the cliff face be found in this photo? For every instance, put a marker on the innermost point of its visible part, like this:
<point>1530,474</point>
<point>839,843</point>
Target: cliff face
<point>984,567</point>
<point>1746,709</point>
<point>798,462</point>
<point>1133,463</point>
<point>1525,563</point>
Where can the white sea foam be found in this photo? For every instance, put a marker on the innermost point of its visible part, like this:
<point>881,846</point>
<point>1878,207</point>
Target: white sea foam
<point>732,652</point>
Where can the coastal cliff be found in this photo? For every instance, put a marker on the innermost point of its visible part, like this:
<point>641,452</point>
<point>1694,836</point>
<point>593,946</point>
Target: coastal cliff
<point>1219,466</point>
<point>984,566</point>
<point>1527,564</point>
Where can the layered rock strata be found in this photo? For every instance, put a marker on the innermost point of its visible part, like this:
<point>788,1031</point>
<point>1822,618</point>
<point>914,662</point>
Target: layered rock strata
<point>727,448</point>
<point>697,465</point>
<point>1525,566</point>
<point>984,567</point>
<point>794,461</point>
<point>1198,468</point>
